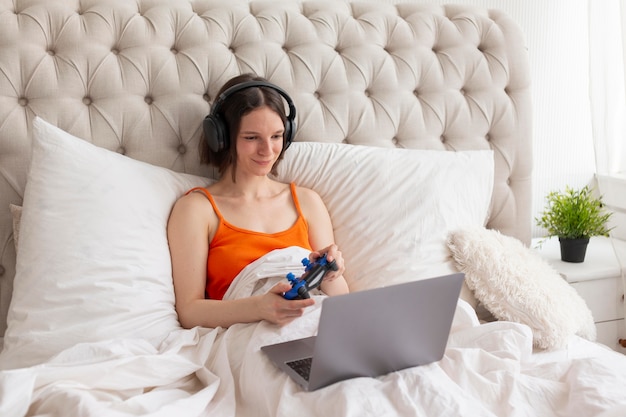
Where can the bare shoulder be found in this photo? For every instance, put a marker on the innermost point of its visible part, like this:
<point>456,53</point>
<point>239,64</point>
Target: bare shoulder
<point>312,206</point>
<point>193,207</point>
<point>317,216</point>
<point>309,198</point>
<point>191,201</point>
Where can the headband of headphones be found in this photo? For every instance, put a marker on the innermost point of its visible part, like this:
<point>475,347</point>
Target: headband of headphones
<point>215,129</point>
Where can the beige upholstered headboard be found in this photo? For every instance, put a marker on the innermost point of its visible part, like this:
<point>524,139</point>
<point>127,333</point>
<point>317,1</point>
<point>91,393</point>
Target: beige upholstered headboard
<point>139,76</point>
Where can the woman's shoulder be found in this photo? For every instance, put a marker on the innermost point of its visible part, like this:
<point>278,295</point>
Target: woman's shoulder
<point>305,192</point>
<point>309,198</point>
<point>191,211</point>
<point>194,199</point>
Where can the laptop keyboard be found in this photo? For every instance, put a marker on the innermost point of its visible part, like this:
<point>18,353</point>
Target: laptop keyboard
<point>301,366</point>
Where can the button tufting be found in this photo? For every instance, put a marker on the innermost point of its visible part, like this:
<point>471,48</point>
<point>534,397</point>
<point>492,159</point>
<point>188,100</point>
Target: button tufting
<point>2,270</point>
<point>395,141</point>
<point>23,101</point>
<point>115,51</point>
<point>87,101</point>
<point>121,150</point>
<point>182,149</point>
<point>174,50</point>
<point>51,52</point>
<point>148,99</point>
<point>317,95</point>
<point>206,97</point>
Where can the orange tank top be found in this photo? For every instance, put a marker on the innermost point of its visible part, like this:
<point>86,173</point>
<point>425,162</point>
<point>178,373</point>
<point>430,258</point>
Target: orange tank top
<point>233,248</point>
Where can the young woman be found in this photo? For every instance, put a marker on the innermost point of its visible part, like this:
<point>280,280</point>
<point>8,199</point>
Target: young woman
<point>215,232</point>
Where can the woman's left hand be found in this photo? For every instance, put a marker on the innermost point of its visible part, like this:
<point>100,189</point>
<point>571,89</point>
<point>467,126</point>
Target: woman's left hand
<point>332,253</point>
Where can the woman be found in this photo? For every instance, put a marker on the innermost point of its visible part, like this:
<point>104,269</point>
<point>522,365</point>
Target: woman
<point>215,232</point>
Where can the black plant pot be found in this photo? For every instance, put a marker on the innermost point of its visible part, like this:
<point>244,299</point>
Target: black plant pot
<point>573,250</point>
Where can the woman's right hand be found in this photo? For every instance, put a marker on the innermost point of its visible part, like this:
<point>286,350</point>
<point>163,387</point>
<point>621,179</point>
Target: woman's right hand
<point>276,309</point>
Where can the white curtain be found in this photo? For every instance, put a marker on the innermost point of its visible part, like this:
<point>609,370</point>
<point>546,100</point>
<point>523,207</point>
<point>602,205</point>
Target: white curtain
<point>607,80</point>
<point>607,93</point>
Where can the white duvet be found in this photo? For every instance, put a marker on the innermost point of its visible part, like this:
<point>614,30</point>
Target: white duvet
<point>488,370</point>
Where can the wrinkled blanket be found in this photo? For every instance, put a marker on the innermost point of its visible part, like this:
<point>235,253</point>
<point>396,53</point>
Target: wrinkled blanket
<point>487,370</point>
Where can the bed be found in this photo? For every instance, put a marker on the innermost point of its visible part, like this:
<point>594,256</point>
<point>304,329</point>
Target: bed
<point>413,124</point>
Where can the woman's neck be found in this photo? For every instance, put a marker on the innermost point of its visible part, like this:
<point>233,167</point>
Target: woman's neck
<point>246,186</point>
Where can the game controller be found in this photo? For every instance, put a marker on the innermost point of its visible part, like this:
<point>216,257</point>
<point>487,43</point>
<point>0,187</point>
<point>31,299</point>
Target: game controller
<point>314,273</point>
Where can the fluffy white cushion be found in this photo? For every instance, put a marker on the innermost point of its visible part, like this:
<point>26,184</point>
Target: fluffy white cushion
<point>516,284</point>
<point>392,208</point>
<point>93,260</point>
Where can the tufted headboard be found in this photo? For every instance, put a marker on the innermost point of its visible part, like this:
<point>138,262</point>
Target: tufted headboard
<point>138,77</point>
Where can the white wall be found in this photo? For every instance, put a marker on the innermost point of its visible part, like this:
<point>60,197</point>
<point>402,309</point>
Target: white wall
<point>557,39</point>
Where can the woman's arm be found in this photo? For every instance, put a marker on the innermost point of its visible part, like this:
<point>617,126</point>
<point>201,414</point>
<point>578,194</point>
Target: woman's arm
<point>322,239</point>
<point>189,231</point>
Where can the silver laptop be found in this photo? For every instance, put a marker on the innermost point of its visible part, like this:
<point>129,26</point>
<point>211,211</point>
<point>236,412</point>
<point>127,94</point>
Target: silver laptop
<point>374,332</point>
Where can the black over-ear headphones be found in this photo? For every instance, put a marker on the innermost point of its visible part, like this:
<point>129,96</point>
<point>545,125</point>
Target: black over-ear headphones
<point>215,129</point>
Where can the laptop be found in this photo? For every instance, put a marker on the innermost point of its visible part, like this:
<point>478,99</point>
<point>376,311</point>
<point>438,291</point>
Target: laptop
<point>373,332</point>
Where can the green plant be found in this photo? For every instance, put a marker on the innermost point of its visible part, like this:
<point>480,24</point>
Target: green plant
<point>574,214</point>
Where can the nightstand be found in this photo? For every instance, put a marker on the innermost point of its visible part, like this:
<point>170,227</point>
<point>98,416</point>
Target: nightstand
<point>598,280</point>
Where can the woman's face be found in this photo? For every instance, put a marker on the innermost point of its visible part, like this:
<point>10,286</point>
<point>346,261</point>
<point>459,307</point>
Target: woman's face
<point>260,141</point>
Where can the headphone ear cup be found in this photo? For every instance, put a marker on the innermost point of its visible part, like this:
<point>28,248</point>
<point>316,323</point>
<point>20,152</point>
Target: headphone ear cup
<point>290,132</point>
<point>215,133</point>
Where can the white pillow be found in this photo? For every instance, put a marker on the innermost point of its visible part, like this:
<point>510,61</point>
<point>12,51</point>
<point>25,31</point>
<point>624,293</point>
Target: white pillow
<point>514,283</point>
<point>93,260</point>
<point>393,208</point>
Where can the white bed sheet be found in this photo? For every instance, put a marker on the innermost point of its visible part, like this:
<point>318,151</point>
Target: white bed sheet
<point>487,370</point>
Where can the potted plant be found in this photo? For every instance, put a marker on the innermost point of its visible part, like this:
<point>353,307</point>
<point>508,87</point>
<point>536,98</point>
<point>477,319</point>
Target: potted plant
<point>574,216</point>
